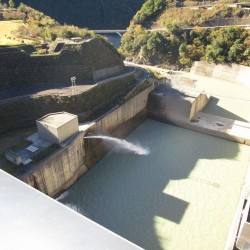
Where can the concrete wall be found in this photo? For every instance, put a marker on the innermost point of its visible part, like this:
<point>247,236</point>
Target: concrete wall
<point>107,72</point>
<point>199,103</point>
<point>175,106</point>
<point>119,122</point>
<point>47,132</point>
<point>168,108</point>
<point>58,172</point>
<point>230,72</point>
<point>67,129</point>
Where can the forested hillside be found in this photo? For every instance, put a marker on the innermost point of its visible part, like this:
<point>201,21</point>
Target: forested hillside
<point>175,46</point>
<point>93,14</point>
<point>179,47</point>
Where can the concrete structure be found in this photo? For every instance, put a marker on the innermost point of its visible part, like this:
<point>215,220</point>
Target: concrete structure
<point>243,240</point>
<point>221,127</point>
<point>57,127</point>
<point>229,72</point>
<point>184,108</point>
<point>32,220</point>
<point>61,170</point>
<point>174,105</point>
<point>13,157</point>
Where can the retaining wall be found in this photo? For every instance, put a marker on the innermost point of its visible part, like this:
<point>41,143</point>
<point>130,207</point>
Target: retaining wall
<point>59,171</point>
<point>229,72</point>
<point>85,61</point>
<point>119,122</point>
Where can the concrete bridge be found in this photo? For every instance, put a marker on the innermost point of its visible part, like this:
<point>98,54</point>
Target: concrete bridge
<point>103,32</point>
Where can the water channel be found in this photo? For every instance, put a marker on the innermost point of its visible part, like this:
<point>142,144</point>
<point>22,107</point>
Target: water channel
<point>182,195</point>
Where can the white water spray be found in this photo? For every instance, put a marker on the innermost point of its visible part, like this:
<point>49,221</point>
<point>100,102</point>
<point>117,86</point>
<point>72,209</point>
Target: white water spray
<point>122,144</point>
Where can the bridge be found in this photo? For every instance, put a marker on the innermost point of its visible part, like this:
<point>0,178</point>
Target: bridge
<point>102,32</point>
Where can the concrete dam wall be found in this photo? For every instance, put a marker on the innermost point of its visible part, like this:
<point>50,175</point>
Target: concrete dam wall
<point>229,72</point>
<point>60,171</point>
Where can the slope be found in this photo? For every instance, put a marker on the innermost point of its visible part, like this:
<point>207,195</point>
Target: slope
<point>93,14</point>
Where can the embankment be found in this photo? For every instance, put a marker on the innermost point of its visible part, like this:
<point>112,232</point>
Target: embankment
<point>89,61</point>
<point>23,112</point>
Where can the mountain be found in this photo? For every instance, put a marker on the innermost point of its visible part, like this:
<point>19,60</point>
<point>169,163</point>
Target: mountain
<point>93,14</point>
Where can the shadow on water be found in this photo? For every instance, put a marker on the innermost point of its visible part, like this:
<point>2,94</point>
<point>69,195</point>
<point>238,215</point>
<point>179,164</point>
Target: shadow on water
<point>213,108</point>
<point>124,192</point>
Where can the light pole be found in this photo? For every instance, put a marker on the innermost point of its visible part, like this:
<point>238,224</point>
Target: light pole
<point>73,84</point>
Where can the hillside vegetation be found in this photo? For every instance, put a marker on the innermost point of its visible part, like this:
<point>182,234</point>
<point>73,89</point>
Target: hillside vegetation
<point>93,14</point>
<point>190,17</point>
<point>181,47</point>
<point>173,11</point>
<point>178,47</point>
<point>39,27</point>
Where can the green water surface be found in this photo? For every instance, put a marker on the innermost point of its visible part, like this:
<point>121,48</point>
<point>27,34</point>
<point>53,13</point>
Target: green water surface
<point>183,195</point>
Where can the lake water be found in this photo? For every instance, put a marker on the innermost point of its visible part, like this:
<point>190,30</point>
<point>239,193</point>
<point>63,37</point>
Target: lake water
<point>182,195</point>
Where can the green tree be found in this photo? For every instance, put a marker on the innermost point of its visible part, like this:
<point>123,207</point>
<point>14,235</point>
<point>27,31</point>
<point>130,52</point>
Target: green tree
<point>236,52</point>
<point>150,9</point>
<point>22,7</point>
<point>155,48</point>
<point>11,4</point>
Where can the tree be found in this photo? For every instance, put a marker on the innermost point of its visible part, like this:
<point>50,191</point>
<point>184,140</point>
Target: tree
<point>236,52</point>
<point>22,7</point>
<point>149,10</point>
<point>11,4</point>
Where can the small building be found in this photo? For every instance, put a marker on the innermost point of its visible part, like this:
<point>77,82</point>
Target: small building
<point>57,127</point>
<point>13,157</point>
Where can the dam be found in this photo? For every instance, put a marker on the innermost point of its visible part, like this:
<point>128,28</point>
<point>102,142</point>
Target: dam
<point>174,196</point>
<point>184,193</point>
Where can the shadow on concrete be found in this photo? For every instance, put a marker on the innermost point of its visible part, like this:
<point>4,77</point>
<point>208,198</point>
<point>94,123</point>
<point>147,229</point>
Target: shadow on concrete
<point>213,109</point>
<point>125,192</point>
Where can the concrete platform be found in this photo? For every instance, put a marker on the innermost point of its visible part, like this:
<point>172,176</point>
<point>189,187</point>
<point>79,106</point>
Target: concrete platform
<point>221,127</point>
